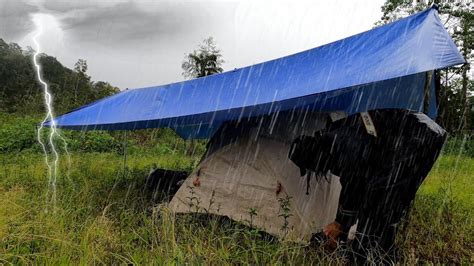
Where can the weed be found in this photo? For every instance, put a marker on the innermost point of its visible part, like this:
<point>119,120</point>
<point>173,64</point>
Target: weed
<point>285,213</point>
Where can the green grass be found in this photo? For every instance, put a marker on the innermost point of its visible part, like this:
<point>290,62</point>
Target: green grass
<point>104,215</point>
<point>440,227</point>
<point>453,175</point>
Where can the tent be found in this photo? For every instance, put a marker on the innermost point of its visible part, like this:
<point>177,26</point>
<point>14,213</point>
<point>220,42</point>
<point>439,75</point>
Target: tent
<point>391,66</point>
<point>251,179</point>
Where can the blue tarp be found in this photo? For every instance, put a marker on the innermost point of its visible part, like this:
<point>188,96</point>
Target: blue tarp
<point>381,68</point>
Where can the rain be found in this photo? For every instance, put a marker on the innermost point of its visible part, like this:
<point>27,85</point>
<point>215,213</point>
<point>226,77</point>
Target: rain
<point>230,132</point>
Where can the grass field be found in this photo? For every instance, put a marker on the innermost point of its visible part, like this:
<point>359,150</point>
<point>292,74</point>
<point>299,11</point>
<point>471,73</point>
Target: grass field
<point>103,214</point>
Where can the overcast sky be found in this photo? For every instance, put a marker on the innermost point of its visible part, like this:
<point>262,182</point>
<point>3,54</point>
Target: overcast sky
<point>140,43</point>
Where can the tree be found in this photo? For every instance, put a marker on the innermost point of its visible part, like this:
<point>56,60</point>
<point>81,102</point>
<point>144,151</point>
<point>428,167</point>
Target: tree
<point>103,89</point>
<point>205,61</point>
<point>82,83</point>
<point>17,78</point>
<point>81,66</point>
<point>456,84</point>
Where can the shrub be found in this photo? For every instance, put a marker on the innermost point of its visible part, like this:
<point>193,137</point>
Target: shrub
<point>17,133</point>
<point>92,141</point>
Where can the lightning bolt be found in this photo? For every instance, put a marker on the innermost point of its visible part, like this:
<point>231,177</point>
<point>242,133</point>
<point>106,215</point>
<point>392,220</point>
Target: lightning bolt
<point>52,163</point>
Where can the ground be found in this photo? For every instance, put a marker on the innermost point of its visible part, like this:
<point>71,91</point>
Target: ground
<point>103,214</point>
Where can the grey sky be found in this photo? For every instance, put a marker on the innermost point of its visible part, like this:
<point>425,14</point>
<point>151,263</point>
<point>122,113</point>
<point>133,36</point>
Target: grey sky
<point>138,43</point>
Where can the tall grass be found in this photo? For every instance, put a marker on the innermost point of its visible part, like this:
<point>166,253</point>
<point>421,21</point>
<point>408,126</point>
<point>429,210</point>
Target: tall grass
<point>104,214</point>
<point>440,227</point>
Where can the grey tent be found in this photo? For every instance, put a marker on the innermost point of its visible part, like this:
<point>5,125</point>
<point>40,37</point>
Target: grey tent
<point>252,180</point>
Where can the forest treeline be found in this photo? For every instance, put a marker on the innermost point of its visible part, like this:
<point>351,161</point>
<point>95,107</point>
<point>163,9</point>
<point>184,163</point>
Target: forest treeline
<point>20,92</point>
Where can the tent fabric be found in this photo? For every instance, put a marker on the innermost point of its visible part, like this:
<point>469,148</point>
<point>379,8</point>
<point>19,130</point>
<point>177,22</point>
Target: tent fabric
<point>253,171</point>
<point>380,68</point>
<point>257,174</point>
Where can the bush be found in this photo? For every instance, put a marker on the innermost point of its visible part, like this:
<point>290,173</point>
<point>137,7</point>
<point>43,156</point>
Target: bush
<point>92,141</point>
<point>17,133</point>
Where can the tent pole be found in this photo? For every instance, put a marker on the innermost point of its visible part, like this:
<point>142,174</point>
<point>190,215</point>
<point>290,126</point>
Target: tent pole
<point>426,92</point>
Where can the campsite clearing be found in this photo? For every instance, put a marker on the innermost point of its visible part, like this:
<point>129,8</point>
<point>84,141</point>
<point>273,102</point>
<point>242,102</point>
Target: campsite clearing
<point>96,221</point>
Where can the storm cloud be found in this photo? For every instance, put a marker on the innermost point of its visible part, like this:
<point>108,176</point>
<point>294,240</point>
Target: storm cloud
<point>112,22</point>
<point>139,43</point>
<point>127,22</point>
<point>14,18</point>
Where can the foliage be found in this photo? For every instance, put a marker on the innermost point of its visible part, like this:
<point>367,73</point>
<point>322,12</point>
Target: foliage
<point>21,93</point>
<point>92,141</point>
<point>205,61</point>
<point>456,96</point>
<point>17,133</point>
<point>17,78</point>
<point>285,213</point>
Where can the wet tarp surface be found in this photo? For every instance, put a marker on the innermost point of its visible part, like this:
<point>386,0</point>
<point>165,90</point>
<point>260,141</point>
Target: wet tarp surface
<point>380,68</point>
